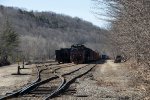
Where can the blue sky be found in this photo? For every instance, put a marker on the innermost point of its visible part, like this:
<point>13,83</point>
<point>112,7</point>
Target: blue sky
<point>74,8</point>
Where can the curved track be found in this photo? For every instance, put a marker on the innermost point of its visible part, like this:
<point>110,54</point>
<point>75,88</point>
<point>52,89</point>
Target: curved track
<point>30,85</point>
<point>17,92</point>
<point>64,80</point>
<point>68,79</point>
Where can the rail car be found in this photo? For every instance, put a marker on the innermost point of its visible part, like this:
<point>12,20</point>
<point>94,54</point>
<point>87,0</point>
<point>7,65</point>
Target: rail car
<point>80,54</point>
<point>104,57</point>
<point>63,55</point>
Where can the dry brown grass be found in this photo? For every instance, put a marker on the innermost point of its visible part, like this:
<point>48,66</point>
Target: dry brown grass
<point>124,78</point>
<point>141,78</point>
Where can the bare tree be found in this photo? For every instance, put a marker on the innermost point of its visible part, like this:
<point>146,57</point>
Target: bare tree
<point>130,27</point>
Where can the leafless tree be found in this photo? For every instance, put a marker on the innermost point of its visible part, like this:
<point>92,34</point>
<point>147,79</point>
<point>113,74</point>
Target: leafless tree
<point>130,20</point>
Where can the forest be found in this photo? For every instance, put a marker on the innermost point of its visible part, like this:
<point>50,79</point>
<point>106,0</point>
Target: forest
<point>39,34</point>
<point>129,32</point>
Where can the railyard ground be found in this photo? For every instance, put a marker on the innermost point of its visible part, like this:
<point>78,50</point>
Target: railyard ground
<point>9,82</point>
<point>107,81</point>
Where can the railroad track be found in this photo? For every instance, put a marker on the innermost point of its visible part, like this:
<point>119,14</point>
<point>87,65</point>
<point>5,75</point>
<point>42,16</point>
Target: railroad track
<point>29,85</point>
<point>17,92</point>
<point>41,68</point>
<point>64,80</point>
<point>68,79</point>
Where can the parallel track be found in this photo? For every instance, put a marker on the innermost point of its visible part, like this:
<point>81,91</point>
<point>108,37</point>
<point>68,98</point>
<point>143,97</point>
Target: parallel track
<point>64,80</point>
<point>29,86</point>
<point>68,79</point>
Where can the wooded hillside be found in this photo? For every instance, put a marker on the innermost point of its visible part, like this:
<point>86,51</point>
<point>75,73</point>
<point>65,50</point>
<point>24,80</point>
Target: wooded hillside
<point>41,33</point>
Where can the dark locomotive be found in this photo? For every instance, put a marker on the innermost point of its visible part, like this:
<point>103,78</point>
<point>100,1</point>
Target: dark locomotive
<point>81,54</point>
<point>77,54</point>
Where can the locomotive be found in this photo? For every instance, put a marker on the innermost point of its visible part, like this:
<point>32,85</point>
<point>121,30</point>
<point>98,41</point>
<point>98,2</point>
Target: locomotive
<point>80,54</point>
<point>77,54</point>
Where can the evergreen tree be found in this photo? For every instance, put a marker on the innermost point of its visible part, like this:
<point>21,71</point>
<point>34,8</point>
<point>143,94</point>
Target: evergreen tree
<point>9,41</point>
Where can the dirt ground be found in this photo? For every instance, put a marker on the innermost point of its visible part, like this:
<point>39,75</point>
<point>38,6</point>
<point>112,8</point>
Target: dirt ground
<point>110,81</point>
<point>9,82</point>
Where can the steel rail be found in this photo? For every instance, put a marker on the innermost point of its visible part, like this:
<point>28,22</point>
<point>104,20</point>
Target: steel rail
<point>26,88</point>
<point>17,92</point>
<point>65,85</point>
<point>35,84</point>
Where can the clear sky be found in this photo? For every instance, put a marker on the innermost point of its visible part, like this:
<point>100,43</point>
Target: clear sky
<point>74,8</point>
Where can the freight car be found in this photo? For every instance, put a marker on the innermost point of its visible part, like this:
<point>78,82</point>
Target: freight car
<point>80,54</point>
<point>63,55</point>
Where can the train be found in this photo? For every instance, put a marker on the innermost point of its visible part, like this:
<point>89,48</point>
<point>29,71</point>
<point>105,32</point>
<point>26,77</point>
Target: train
<point>78,54</point>
<point>63,55</point>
